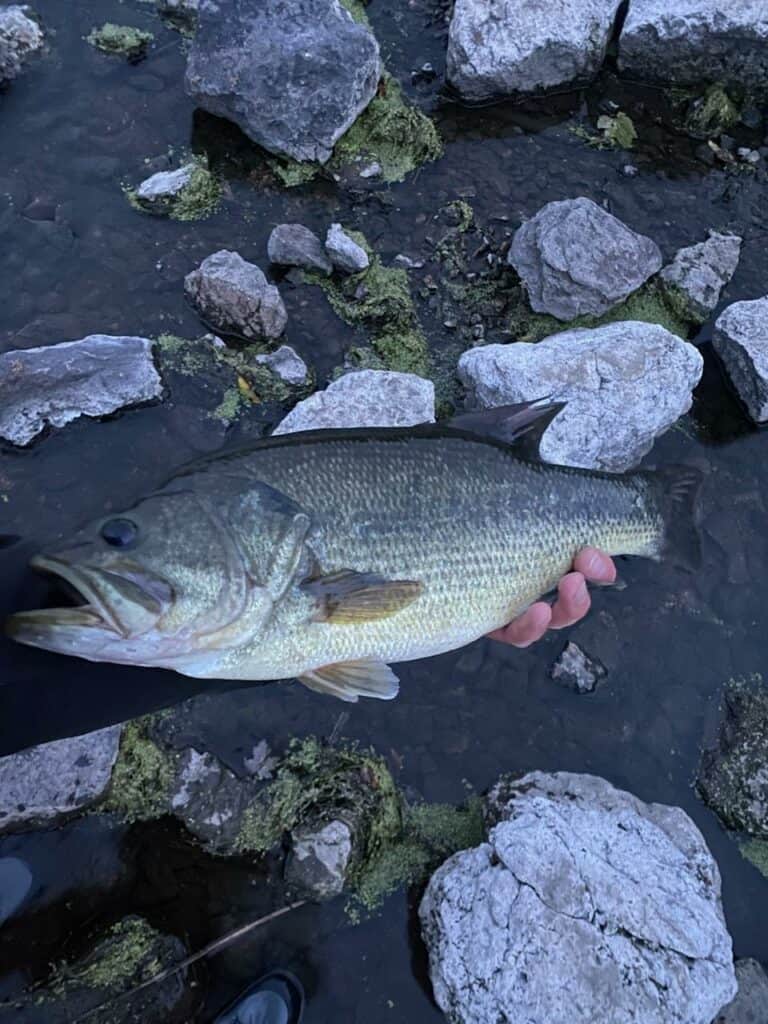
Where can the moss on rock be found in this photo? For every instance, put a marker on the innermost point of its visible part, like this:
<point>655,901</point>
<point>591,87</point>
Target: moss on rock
<point>123,956</point>
<point>756,852</point>
<point>142,776</point>
<point>198,199</point>
<point>711,114</point>
<point>120,40</point>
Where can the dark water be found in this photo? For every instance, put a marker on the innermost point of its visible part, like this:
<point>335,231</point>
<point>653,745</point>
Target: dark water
<point>77,259</point>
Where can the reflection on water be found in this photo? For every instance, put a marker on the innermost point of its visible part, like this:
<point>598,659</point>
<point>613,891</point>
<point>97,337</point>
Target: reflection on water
<point>77,259</point>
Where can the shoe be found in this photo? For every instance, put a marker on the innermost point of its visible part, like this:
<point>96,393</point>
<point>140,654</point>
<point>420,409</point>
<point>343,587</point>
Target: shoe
<point>276,998</point>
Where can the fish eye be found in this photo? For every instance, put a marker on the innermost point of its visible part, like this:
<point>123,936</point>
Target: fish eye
<point>119,533</point>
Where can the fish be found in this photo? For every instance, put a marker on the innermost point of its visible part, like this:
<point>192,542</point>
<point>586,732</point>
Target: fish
<point>327,555</point>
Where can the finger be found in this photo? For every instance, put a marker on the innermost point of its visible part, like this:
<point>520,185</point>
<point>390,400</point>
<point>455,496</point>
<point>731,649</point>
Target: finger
<point>527,628</point>
<point>572,602</point>
<point>595,565</point>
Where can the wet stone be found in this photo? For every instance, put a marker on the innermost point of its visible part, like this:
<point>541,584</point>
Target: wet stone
<point>741,340</point>
<point>751,1003</point>
<point>164,185</point>
<point>346,255</point>
<point>577,670</point>
<point>20,36</point>
<point>293,245</point>
<point>53,781</point>
<point>575,259</point>
<point>15,883</point>
<point>234,297</point>
<point>181,11</point>
<point>319,860</point>
<point>698,273</point>
<point>286,364</point>
<point>637,938</point>
<point>209,799</point>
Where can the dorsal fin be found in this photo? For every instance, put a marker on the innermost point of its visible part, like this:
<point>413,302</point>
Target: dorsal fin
<point>522,424</point>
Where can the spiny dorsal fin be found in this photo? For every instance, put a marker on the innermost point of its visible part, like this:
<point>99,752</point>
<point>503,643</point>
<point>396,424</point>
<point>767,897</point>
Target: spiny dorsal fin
<point>522,424</point>
<point>348,596</point>
<point>349,680</point>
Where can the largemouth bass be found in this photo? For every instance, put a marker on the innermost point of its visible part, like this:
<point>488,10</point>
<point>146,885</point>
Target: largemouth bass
<point>327,555</point>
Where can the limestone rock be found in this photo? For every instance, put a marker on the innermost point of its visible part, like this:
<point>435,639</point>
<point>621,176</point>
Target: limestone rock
<point>163,186</point>
<point>320,858</point>
<point>741,340</point>
<point>46,783</point>
<point>624,385</point>
<point>575,668</point>
<point>505,47</point>
<point>346,255</point>
<point>698,273</point>
<point>91,377</point>
<point>287,364</point>
<point>575,259</point>
<point>620,921</point>
<point>20,36</point>
<point>234,297</point>
<point>293,245</point>
<point>293,75</point>
<point>365,398</point>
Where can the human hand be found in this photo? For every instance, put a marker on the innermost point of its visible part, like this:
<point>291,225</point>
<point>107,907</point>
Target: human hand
<point>572,602</point>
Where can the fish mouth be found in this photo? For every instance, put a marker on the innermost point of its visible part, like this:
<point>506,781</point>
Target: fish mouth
<point>110,604</point>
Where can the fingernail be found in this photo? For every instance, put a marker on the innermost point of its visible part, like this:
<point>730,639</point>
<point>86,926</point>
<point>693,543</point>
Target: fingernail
<point>595,562</point>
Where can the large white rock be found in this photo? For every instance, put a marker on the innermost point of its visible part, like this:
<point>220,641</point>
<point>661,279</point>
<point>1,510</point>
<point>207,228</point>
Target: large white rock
<point>585,905</point>
<point>365,398</point>
<point>54,780</point>
<point>20,36</point>
<point>56,384</point>
<point>234,297</point>
<point>698,273</point>
<point>741,339</point>
<point>504,47</point>
<point>624,384</point>
<point>575,258</point>
<point>693,41</point>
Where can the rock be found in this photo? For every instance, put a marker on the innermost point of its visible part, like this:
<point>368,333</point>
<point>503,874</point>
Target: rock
<point>698,273</point>
<point>234,297</point>
<point>121,41</point>
<point>209,799</point>
<point>575,259</point>
<point>91,377</point>
<point>286,364</point>
<point>346,255</point>
<point>576,669</point>
<point>163,186</point>
<point>182,11</point>
<point>320,858</point>
<point>505,47</point>
<point>191,192</point>
<point>293,245</point>
<point>20,36</point>
<point>15,883</point>
<point>741,340</point>
<point>624,384</point>
<point>53,780</point>
<point>294,76</point>
<point>261,764</point>
<point>733,776</point>
<point>365,398</point>
<point>695,41</point>
<point>751,1003</point>
<point>620,921</point>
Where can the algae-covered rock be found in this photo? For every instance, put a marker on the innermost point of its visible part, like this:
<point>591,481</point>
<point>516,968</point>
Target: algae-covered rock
<point>712,114</point>
<point>191,192</point>
<point>320,859</point>
<point>121,40</point>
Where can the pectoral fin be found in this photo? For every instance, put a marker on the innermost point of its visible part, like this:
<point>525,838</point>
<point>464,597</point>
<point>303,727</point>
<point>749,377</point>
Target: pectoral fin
<point>349,680</point>
<point>347,596</point>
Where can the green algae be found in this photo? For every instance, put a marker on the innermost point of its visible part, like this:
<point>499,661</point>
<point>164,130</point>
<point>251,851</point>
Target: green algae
<point>198,200</point>
<point>613,132</point>
<point>141,778</point>
<point>357,9</point>
<point>711,114</point>
<point>123,956</point>
<point>756,852</point>
<point>293,173</point>
<point>120,40</point>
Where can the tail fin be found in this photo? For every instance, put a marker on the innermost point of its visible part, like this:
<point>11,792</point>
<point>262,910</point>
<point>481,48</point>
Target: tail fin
<point>679,487</point>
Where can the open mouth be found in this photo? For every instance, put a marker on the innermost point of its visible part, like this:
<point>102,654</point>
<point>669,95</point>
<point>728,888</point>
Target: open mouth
<point>82,605</point>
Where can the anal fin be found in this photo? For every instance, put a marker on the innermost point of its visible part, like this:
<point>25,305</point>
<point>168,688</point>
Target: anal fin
<point>349,680</point>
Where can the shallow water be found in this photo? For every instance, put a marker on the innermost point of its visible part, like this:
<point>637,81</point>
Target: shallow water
<point>77,259</point>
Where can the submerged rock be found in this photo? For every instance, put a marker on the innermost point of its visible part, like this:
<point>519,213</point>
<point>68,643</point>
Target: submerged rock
<point>620,921</point>
<point>15,883</point>
<point>575,668</point>
<point>121,41</point>
<point>751,1003</point>
<point>320,860</point>
<point>209,799</point>
<point>698,273</point>
<point>575,259</point>
<point>286,364</point>
<point>741,340</point>
<point>512,46</point>
<point>294,76</point>
<point>91,377</point>
<point>182,11</point>
<point>365,398</point>
<point>697,40</point>
<point>20,36</point>
<point>345,254</point>
<point>293,245</point>
<point>624,385</point>
<point>234,297</point>
<point>55,780</point>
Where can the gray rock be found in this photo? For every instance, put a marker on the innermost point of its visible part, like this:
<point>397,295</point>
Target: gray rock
<point>293,245</point>
<point>575,259</point>
<point>209,799</point>
<point>365,398</point>
<point>504,47</point>
<point>20,36</point>
<point>751,1003</point>
<point>182,11</point>
<point>293,75</point>
<point>620,921</point>
<point>697,40</point>
<point>286,364</point>
<point>53,780</point>
<point>624,384</point>
<point>346,255</point>
<point>698,273</point>
<point>741,340</point>
<point>234,297</point>
<point>320,858</point>
<point>575,668</point>
<point>91,377</point>
<point>261,764</point>
<point>165,185</point>
<point>15,883</point>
